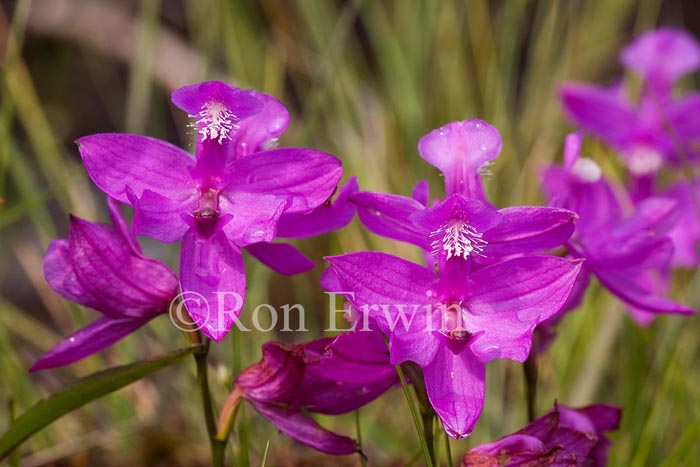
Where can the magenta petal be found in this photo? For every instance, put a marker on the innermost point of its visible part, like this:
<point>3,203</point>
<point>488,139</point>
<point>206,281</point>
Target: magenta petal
<point>276,377</point>
<point>60,275</point>
<point>387,215</point>
<point>683,118</point>
<point>421,192</point>
<point>662,56</point>
<point>94,337</point>
<point>159,217</point>
<point>115,161</point>
<point>526,229</point>
<point>633,291</point>
<point>195,98</point>
<point>325,218</point>
<point>307,178</point>
<point>461,150</point>
<point>253,218</point>
<point>507,300</point>
<point>477,214</point>
<point>373,280</point>
<point>456,385</point>
<point>121,227</point>
<point>533,287</point>
<point>686,233</point>
<point>358,357</point>
<point>305,430</point>
<point>260,131</point>
<point>653,215</point>
<point>600,112</point>
<point>572,149</point>
<point>414,344</point>
<point>212,279</point>
<point>113,281</point>
<point>281,257</point>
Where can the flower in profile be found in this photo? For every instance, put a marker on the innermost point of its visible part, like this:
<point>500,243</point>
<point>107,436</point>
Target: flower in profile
<point>475,305</point>
<point>103,268</point>
<point>627,249</point>
<point>564,437</point>
<point>327,376</point>
<point>231,195</point>
<point>657,129</point>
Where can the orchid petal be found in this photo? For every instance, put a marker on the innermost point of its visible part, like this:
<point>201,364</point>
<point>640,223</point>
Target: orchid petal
<point>94,337</point>
<point>371,277</point>
<point>662,56</point>
<point>122,228</point>
<point>632,290</point>
<point>281,257</point>
<point>526,229</point>
<point>600,112</point>
<point>160,217</point>
<point>307,178</point>
<point>387,215</point>
<point>254,217</point>
<point>259,131</point>
<point>460,150</point>
<point>421,192</point>
<point>358,357</point>
<point>115,161</point>
<point>507,300</point>
<point>325,218</point>
<point>212,279</point>
<point>456,385</point>
<point>113,281</point>
<point>305,430</point>
<point>276,377</point>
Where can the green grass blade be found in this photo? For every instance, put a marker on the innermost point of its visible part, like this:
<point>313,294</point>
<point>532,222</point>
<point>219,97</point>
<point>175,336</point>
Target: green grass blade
<point>80,393</point>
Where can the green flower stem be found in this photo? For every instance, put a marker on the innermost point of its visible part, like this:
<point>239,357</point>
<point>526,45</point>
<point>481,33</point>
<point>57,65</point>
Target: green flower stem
<point>530,373</point>
<point>217,446</point>
<point>416,420</point>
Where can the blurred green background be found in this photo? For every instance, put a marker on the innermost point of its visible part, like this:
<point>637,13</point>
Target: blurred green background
<point>363,80</point>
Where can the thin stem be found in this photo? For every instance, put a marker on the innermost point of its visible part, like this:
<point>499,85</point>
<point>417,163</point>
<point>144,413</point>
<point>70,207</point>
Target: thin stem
<point>448,451</point>
<point>217,447</point>
<point>363,459</point>
<point>415,375</point>
<point>203,383</point>
<point>530,374</point>
<point>414,415</point>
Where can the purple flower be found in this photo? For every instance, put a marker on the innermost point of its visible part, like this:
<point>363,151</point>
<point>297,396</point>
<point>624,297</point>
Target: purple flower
<point>221,200</point>
<point>628,252</point>
<point>103,268</point>
<point>658,128</point>
<point>462,151</point>
<point>324,376</point>
<point>478,307</point>
<point>453,324</point>
<point>563,438</point>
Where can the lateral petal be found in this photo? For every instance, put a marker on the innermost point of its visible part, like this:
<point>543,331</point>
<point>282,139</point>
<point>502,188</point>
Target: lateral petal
<point>115,161</point>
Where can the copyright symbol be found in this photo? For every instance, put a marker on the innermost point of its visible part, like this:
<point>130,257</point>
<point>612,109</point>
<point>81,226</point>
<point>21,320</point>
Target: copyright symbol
<point>179,315</point>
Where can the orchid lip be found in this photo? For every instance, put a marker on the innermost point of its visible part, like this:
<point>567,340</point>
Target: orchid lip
<point>215,122</point>
<point>458,239</point>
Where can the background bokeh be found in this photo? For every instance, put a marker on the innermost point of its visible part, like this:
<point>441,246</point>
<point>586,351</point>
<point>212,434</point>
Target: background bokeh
<point>363,80</point>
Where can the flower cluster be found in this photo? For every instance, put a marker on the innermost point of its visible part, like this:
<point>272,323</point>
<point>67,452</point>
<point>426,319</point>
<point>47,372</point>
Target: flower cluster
<point>494,280</point>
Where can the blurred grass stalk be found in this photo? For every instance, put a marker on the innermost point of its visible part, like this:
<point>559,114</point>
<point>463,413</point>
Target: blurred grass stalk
<point>363,80</point>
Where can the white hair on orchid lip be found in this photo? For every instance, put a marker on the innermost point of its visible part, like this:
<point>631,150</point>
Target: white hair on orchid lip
<point>458,239</point>
<point>215,122</point>
<point>586,170</point>
<point>644,160</point>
